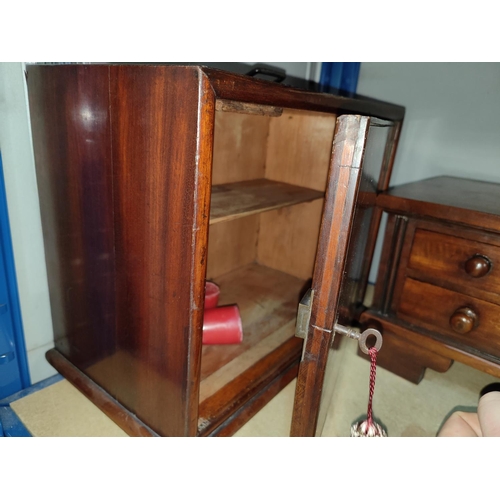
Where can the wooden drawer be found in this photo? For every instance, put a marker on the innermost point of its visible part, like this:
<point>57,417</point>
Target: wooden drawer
<point>435,308</point>
<point>460,261</point>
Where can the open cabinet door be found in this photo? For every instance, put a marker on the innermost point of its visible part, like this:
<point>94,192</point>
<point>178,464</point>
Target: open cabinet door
<point>318,311</point>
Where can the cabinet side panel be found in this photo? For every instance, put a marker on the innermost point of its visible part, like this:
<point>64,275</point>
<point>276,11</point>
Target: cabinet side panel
<point>69,108</point>
<point>162,141</point>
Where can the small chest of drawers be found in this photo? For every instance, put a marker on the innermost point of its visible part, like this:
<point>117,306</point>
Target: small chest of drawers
<point>437,296</point>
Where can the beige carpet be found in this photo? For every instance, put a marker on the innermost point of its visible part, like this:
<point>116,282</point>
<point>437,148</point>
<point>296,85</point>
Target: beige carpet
<point>62,410</point>
<point>404,408</point>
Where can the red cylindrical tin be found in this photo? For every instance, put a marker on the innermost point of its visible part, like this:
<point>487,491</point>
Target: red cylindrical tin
<point>222,325</point>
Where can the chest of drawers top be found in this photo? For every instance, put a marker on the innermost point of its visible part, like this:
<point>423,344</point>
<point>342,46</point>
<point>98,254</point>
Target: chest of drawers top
<point>464,201</point>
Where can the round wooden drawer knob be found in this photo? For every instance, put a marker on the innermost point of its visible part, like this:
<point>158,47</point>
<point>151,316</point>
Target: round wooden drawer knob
<point>464,320</point>
<point>478,266</point>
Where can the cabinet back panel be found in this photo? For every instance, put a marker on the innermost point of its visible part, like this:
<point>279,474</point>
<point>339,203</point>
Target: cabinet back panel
<point>299,148</point>
<point>288,238</point>
<point>232,244</point>
<point>239,147</point>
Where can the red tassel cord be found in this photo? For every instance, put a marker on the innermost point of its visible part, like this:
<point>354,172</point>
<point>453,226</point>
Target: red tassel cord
<point>369,428</point>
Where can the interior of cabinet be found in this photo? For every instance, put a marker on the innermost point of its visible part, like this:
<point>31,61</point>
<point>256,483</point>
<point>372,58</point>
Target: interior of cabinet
<point>268,182</point>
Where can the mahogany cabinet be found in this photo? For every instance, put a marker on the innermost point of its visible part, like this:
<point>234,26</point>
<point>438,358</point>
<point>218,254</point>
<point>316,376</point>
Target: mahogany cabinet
<point>154,178</point>
<point>437,296</point>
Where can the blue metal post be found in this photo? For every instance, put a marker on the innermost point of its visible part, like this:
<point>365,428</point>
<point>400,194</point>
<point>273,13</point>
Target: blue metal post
<point>14,372</point>
<point>340,75</point>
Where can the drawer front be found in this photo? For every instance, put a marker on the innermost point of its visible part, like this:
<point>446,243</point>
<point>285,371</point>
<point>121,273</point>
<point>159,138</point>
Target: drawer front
<point>456,260</point>
<point>470,321</point>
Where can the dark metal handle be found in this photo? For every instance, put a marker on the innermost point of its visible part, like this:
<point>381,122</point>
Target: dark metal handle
<point>279,75</point>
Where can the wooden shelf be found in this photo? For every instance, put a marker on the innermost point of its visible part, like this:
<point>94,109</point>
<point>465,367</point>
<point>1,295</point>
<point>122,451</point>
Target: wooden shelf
<point>268,301</point>
<point>239,199</point>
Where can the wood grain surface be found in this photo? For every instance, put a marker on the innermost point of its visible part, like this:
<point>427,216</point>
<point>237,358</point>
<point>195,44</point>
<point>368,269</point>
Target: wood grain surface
<point>465,201</point>
<point>245,89</point>
<point>430,306</point>
<point>117,148</point>
<point>240,147</point>
<point>232,245</point>
<point>267,300</point>
<point>70,118</point>
<point>247,108</point>
<point>240,199</point>
<point>433,342</point>
<point>338,213</point>
<point>248,389</point>
<point>288,238</point>
<point>300,147</point>
<point>443,257</point>
<point>162,116</point>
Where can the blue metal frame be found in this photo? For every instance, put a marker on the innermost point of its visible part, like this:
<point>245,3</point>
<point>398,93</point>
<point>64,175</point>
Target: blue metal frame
<point>337,75</point>
<point>14,309</point>
<point>10,424</point>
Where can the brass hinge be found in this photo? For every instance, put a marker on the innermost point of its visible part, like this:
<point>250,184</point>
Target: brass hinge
<point>304,315</point>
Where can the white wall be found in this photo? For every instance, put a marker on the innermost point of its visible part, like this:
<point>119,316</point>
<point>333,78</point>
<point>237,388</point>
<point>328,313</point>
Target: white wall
<point>24,217</point>
<point>452,124</point>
